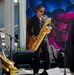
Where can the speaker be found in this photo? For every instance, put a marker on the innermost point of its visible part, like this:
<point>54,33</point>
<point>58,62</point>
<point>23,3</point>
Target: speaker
<point>23,57</point>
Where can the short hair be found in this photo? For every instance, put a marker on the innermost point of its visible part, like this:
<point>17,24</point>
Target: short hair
<point>39,6</point>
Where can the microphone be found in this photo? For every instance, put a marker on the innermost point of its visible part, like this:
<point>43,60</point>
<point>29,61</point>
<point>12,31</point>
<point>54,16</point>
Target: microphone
<point>64,31</point>
<point>53,26</point>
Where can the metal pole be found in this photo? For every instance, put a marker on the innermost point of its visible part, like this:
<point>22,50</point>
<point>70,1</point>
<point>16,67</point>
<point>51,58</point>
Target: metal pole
<point>18,23</point>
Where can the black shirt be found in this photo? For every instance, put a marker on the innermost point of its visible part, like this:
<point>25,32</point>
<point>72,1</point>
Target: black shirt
<point>35,24</point>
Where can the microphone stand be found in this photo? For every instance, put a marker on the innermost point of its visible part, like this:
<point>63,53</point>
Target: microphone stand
<point>64,46</point>
<point>64,52</point>
<point>10,43</point>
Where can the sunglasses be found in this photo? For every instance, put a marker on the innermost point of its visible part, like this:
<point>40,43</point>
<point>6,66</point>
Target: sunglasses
<point>41,11</point>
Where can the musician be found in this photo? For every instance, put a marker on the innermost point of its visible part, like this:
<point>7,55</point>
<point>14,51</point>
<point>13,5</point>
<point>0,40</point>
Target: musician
<point>34,26</point>
<point>69,52</point>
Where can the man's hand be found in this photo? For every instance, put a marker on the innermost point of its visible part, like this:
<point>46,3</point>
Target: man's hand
<point>34,37</point>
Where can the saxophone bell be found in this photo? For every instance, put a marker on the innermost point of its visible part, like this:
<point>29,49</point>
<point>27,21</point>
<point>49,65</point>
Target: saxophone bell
<point>7,65</point>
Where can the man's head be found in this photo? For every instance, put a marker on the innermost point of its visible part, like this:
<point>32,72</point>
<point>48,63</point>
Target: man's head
<point>40,9</point>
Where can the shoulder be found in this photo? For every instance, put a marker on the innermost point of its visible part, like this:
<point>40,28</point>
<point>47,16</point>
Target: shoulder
<point>34,17</point>
<point>32,20</point>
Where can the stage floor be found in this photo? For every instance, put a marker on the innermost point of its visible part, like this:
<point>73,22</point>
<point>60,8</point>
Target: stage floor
<point>29,71</point>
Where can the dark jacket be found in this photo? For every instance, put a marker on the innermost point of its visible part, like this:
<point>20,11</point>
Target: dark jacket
<point>70,49</point>
<point>34,25</point>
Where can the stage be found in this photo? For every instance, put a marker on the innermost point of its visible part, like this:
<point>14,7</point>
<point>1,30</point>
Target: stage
<point>29,71</point>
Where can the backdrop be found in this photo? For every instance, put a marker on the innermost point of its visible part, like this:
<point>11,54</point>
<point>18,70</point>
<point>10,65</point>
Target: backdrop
<point>62,14</point>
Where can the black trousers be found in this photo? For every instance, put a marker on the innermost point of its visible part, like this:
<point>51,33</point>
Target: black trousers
<point>45,52</point>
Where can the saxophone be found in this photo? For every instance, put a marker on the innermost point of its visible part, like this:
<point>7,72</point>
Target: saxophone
<point>7,65</point>
<point>33,45</point>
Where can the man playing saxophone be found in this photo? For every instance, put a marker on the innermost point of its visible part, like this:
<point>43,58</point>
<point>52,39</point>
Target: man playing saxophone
<point>34,26</point>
